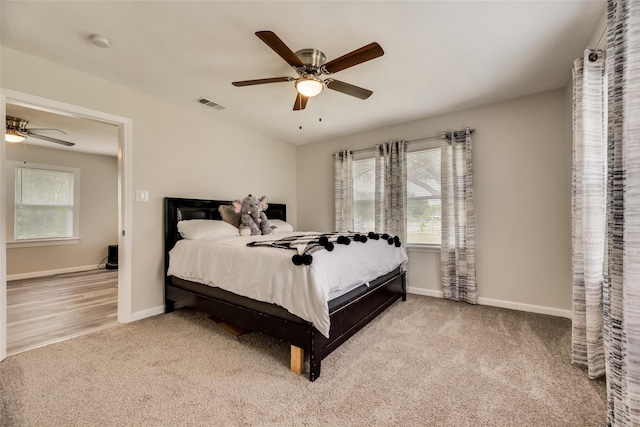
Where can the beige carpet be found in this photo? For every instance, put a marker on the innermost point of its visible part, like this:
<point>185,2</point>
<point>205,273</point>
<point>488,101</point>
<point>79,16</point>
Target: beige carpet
<point>424,362</point>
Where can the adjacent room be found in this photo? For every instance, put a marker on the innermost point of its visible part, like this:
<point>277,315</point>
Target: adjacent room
<point>320,213</point>
<point>60,282</point>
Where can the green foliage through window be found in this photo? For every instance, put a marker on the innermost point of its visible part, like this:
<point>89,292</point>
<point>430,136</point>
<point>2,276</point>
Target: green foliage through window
<point>43,204</point>
<point>423,196</point>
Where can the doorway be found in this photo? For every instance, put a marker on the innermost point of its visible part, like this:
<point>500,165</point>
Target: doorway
<point>123,127</point>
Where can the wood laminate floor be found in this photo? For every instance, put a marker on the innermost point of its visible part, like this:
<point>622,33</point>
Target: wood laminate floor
<point>49,309</point>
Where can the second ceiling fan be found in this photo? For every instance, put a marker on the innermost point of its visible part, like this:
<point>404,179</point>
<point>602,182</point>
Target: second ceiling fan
<point>310,65</point>
<point>16,131</point>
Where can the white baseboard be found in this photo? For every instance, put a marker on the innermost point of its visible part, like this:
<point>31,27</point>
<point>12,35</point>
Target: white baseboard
<point>539,309</point>
<point>139,315</point>
<point>34,274</point>
<point>425,292</point>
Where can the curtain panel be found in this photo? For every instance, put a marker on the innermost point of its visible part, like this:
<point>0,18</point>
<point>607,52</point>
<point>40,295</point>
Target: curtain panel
<point>621,296</point>
<point>457,225</point>
<point>343,180</point>
<point>391,188</point>
<point>588,214</point>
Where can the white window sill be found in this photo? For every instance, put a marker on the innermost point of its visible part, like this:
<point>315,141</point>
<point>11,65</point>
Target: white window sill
<point>43,242</point>
<point>416,247</point>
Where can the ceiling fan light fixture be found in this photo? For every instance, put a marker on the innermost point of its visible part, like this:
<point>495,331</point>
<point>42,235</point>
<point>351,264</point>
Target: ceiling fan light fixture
<point>13,135</point>
<point>309,86</point>
<point>310,65</point>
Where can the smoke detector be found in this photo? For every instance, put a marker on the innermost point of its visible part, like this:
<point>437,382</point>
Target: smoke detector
<point>99,40</point>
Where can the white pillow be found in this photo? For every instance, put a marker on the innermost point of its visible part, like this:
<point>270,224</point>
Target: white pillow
<point>200,229</point>
<point>279,226</point>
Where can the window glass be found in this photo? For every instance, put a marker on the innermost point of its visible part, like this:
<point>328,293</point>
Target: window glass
<point>44,202</point>
<point>364,185</point>
<point>423,196</point>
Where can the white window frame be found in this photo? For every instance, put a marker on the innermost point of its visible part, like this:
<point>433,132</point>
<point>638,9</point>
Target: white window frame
<point>412,147</point>
<point>11,213</point>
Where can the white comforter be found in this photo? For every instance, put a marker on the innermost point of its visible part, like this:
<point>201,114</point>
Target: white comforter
<point>267,274</point>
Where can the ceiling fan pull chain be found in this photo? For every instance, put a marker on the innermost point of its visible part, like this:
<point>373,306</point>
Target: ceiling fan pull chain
<point>300,111</point>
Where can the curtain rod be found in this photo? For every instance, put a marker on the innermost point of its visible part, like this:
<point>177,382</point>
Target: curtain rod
<point>429,138</point>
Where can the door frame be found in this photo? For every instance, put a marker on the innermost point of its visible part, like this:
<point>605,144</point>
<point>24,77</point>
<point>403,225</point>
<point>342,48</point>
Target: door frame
<point>125,211</point>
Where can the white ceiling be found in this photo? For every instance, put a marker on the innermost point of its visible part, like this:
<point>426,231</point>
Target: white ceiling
<point>89,136</point>
<point>440,56</point>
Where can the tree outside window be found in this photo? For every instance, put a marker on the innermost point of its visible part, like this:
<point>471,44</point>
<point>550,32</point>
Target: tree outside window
<point>423,196</point>
<point>44,202</point>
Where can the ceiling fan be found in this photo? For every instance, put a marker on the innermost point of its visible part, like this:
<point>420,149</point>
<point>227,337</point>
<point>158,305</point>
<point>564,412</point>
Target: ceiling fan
<point>310,65</point>
<point>16,131</point>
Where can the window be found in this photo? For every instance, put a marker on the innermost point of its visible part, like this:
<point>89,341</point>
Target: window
<point>423,194</point>
<point>364,186</point>
<point>45,202</point>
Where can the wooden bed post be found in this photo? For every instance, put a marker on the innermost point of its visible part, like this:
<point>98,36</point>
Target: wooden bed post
<point>297,360</point>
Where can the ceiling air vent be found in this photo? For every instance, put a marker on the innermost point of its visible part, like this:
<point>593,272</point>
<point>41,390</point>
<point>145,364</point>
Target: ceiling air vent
<point>209,103</point>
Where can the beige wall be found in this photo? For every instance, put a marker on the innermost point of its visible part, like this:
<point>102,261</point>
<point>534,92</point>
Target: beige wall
<point>176,151</point>
<point>522,176</point>
<point>98,211</point>
<point>522,170</point>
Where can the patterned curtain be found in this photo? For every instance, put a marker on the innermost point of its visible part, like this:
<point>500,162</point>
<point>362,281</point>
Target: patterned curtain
<point>343,191</point>
<point>621,298</point>
<point>391,188</point>
<point>458,230</point>
<point>588,212</point>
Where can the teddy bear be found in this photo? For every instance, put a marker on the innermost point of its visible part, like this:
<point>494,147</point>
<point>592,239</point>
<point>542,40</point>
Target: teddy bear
<point>253,220</point>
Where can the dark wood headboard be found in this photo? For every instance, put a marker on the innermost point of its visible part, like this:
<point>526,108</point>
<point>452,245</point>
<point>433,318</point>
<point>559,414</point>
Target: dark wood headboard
<point>178,209</point>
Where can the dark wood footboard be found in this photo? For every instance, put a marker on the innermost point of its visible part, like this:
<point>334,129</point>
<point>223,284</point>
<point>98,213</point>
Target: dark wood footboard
<point>349,319</point>
<point>346,319</point>
<point>348,314</point>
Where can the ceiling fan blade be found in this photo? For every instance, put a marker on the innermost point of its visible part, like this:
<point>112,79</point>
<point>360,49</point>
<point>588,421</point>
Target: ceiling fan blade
<point>364,54</point>
<point>278,46</point>
<point>47,129</point>
<point>48,138</point>
<point>262,81</point>
<point>301,102</point>
<point>348,89</point>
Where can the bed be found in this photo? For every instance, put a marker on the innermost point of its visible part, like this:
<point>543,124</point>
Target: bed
<point>348,312</point>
